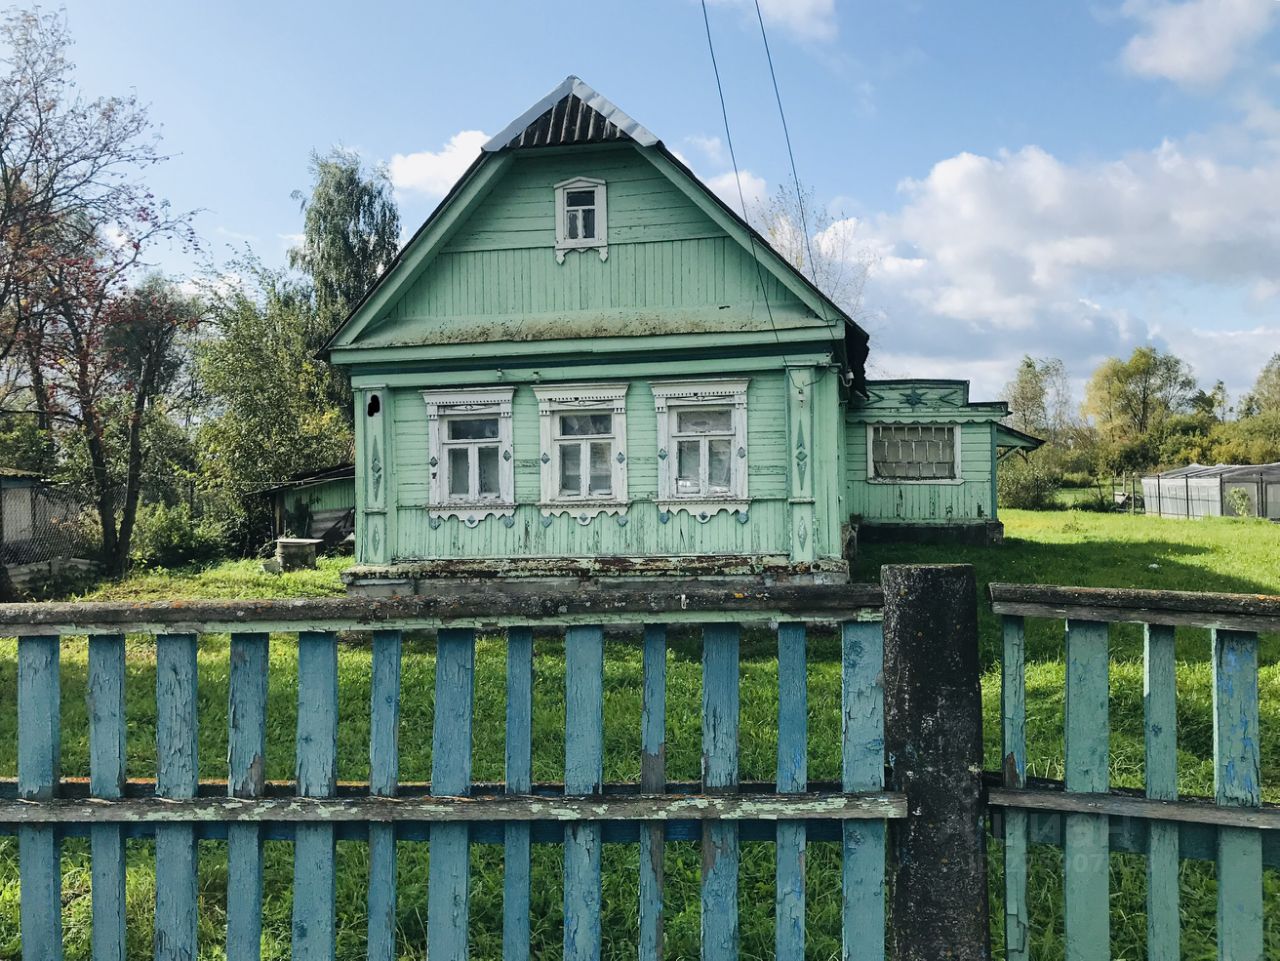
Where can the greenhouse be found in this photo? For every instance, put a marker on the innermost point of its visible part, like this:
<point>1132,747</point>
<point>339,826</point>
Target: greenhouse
<point>1224,490</point>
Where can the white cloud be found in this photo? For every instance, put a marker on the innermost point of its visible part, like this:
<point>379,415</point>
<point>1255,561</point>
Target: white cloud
<point>432,173</point>
<point>711,149</point>
<point>802,19</point>
<point>754,190</point>
<point>236,235</point>
<point>289,241</point>
<point>1194,43</point>
<point>993,256</point>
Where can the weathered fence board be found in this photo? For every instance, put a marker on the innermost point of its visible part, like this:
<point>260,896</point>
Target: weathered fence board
<point>516,881</point>
<point>1089,820</point>
<point>177,742</point>
<point>449,871</point>
<point>793,777</point>
<point>246,767</point>
<point>106,780</point>
<point>451,813</point>
<point>384,774</point>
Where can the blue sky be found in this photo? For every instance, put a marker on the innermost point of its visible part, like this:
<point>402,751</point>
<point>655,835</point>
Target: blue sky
<point>1065,179</point>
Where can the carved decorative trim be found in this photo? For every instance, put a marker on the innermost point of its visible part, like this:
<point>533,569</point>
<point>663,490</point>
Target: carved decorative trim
<point>471,514</point>
<point>704,510</point>
<point>584,513</point>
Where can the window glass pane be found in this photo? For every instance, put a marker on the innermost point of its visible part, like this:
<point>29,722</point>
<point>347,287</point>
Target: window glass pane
<point>688,470</point>
<point>589,223</point>
<point>718,465</point>
<point>699,421</point>
<point>473,428</point>
<point>601,469</point>
<point>570,469</point>
<point>579,425</point>
<point>459,473</point>
<point>488,471</point>
<point>571,225</point>
<point>580,198</point>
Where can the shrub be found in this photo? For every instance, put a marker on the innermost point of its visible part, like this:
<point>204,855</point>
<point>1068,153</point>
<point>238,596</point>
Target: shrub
<point>1026,486</point>
<point>171,537</point>
<point>1238,502</point>
<point>1077,478</point>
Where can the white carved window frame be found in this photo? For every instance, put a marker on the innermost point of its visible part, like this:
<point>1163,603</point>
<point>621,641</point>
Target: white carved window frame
<point>669,398</point>
<point>474,402</point>
<point>582,399</point>
<point>956,454</point>
<point>600,242</point>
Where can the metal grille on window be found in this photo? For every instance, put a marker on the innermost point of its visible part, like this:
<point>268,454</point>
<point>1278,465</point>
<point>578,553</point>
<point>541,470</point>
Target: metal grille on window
<point>913,452</point>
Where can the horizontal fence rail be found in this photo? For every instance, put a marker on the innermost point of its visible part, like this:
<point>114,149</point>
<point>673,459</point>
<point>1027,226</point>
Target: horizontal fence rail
<point>452,811</point>
<point>1088,819</point>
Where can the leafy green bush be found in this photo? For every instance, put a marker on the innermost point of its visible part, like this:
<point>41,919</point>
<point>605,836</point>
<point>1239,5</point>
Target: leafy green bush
<point>1077,478</point>
<point>1026,485</point>
<point>171,537</point>
<point>1238,502</point>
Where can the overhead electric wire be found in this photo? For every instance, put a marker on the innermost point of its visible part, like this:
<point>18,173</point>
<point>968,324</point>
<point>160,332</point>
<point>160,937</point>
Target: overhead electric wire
<point>737,177</point>
<point>786,134</point>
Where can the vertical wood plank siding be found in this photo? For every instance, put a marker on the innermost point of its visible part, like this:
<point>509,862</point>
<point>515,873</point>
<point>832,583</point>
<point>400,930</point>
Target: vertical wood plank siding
<point>1160,700</point>
<point>583,774</point>
<point>384,774</point>
<point>314,881</point>
<point>862,769</point>
<point>917,502</point>
<point>449,871</point>
<point>1013,710</point>
<point>39,751</point>
<point>246,766</point>
<point>1237,782</point>
<point>106,780</point>
<point>177,739</point>
<point>642,531</point>
<point>719,775</point>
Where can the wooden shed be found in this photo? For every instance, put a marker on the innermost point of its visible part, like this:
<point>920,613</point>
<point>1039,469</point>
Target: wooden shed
<point>319,503</point>
<point>584,363</point>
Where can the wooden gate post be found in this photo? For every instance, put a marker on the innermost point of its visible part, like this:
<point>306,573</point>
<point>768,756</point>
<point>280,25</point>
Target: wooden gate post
<point>933,743</point>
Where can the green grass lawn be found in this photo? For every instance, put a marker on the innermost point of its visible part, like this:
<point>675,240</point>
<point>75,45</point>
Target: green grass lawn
<point>1057,547</point>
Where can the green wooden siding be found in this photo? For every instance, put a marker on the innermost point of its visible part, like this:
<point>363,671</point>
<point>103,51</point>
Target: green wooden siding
<point>949,502</point>
<point>666,259</point>
<point>765,532</point>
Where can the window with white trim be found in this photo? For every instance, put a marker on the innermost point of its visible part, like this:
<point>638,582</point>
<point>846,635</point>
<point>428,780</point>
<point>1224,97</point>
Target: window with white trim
<point>469,440</point>
<point>582,217</point>
<point>702,445</point>
<point>584,449</point>
<point>913,452</point>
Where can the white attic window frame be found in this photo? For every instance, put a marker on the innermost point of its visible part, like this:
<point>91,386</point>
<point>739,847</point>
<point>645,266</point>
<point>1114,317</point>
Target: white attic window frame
<point>600,239</point>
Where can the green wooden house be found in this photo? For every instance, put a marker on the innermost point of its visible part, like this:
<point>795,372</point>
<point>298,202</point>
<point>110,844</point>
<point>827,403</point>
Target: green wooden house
<point>584,363</point>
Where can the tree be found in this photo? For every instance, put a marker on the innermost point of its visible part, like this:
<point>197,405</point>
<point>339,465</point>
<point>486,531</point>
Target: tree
<point>1130,400</point>
<point>69,168</point>
<point>351,233</point>
<point>821,247</point>
<point>272,416</point>
<point>107,354</point>
<point>1265,396</point>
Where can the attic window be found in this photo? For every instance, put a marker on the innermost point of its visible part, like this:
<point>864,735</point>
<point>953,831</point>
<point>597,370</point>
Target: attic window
<point>582,217</point>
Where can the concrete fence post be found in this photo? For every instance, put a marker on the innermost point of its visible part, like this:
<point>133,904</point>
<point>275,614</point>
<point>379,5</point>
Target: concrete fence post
<point>933,744</point>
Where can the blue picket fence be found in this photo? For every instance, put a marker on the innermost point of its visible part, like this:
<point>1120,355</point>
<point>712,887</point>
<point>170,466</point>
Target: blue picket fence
<point>1089,820</point>
<point>179,810</point>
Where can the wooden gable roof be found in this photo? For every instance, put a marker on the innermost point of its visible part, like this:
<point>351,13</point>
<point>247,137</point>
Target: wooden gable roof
<point>569,115</point>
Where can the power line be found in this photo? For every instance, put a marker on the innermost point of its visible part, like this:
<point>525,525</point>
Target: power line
<point>737,177</point>
<point>786,134</point>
